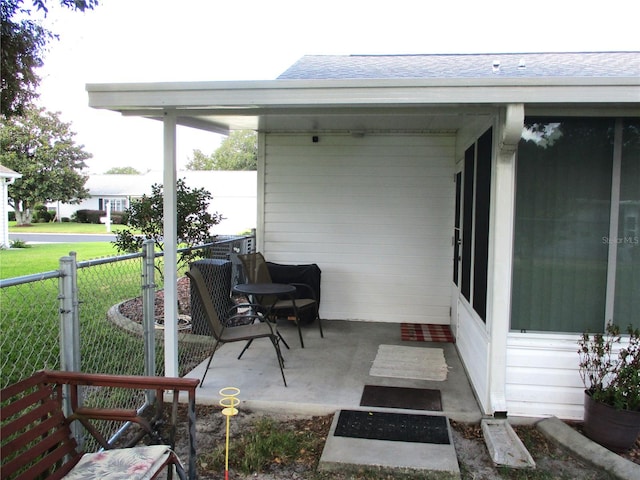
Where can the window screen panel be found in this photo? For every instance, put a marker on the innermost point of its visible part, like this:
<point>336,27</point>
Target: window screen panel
<point>467,221</point>
<point>482,210</point>
<point>627,287</point>
<point>563,199</point>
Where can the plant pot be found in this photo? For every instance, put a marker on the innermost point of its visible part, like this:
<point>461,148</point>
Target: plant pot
<point>614,429</point>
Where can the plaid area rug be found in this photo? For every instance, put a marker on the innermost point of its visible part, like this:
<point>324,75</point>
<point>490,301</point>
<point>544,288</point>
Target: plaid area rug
<point>424,332</point>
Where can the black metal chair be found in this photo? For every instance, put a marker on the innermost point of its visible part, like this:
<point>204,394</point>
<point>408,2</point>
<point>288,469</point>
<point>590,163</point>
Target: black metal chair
<point>259,328</point>
<point>256,271</point>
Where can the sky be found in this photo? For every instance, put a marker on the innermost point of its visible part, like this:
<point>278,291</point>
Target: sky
<point>211,40</point>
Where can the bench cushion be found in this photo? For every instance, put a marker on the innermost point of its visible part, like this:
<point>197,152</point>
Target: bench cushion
<point>136,463</point>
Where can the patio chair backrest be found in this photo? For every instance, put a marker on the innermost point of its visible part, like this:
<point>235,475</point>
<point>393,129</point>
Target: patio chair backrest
<point>255,268</point>
<point>217,278</point>
<point>198,283</point>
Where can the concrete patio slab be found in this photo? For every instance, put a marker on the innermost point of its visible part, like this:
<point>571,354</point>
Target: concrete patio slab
<point>329,374</point>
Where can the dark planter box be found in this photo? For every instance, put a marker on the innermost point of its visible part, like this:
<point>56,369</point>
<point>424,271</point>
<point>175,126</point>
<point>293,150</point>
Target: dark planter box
<point>614,429</point>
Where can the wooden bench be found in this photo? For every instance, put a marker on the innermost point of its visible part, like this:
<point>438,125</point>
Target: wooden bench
<point>37,439</point>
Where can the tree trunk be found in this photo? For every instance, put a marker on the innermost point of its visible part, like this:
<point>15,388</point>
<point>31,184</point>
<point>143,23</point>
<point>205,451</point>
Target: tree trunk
<point>23,218</point>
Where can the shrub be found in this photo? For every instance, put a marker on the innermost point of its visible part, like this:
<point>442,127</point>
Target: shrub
<point>146,215</point>
<point>610,378</point>
<point>42,214</point>
<point>65,219</point>
<point>17,243</point>
<point>12,216</point>
<point>89,216</point>
<point>118,218</point>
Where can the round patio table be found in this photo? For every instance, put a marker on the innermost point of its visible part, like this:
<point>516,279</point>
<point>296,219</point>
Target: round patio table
<point>264,289</point>
<point>260,290</point>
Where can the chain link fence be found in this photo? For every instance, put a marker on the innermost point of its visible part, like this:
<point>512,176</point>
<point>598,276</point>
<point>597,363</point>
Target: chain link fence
<point>90,316</point>
<point>30,326</point>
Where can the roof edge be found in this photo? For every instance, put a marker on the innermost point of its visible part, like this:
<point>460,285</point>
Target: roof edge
<point>362,83</point>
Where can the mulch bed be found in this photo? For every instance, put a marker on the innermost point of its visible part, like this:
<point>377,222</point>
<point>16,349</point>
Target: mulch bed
<point>474,432</point>
<point>132,309</point>
<point>633,454</point>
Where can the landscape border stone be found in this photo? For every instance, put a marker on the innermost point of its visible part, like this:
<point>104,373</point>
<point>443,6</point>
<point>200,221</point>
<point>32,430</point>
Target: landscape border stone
<point>119,320</point>
<point>561,433</point>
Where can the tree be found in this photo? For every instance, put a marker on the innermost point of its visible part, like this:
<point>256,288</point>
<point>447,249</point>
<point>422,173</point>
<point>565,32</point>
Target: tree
<point>239,151</point>
<point>41,147</point>
<point>200,161</point>
<point>23,42</point>
<point>146,216</point>
<point>122,171</point>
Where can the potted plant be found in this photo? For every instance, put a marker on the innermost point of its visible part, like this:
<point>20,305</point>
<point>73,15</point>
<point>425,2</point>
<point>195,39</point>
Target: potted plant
<point>610,372</point>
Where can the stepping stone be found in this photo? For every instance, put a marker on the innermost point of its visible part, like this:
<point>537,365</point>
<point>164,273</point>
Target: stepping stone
<point>504,446</point>
<point>341,451</point>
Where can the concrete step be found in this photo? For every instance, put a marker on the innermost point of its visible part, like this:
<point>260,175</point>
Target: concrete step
<point>341,453</point>
<point>504,446</point>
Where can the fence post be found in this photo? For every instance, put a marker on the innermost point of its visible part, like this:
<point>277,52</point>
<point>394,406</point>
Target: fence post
<point>70,333</point>
<point>69,315</point>
<point>148,307</point>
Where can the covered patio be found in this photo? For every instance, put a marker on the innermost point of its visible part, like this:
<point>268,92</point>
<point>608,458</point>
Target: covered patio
<point>397,176</point>
<point>329,374</point>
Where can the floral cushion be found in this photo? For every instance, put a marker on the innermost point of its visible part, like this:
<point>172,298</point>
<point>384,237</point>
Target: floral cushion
<point>137,463</point>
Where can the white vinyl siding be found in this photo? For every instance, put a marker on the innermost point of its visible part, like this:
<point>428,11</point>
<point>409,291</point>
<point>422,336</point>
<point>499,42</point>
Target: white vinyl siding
<point>472,343</point>
<point>542,376</point>
<point>374,212</point>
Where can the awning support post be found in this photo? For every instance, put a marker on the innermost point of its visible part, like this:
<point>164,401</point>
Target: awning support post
<point>170,247</point>
<point>503,211</point>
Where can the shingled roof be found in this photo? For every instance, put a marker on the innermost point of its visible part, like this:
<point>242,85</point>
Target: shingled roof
<point>8,173</point>
<point>523,65</point>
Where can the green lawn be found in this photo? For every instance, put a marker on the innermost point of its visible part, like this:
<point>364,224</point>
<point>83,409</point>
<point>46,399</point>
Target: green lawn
<point>63,227</point>
<point>30,312</point>
<point>45,257</point>
<point>17,262</point>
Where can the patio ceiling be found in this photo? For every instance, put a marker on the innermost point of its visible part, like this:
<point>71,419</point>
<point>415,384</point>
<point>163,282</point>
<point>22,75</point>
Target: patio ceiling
<point>418,105</point>
<point>293,120</point>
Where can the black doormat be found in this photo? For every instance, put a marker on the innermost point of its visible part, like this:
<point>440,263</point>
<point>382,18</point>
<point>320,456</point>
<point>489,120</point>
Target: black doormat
<point>401,397</point>
<point>397,427</point>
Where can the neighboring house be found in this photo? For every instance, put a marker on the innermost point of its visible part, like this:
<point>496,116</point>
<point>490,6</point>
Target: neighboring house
<point>7,177</point>
<point>234,195</point>
<point>496,193</point>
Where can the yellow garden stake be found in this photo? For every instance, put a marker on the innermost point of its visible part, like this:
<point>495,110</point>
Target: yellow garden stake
<point>229,401</point>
